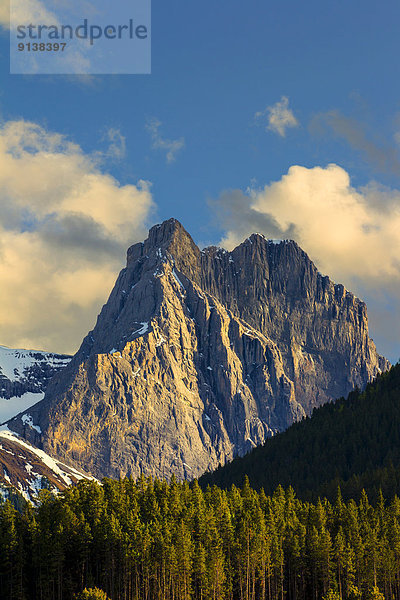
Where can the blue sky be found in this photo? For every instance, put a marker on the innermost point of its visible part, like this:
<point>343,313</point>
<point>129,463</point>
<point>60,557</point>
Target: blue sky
<point>215,65</point>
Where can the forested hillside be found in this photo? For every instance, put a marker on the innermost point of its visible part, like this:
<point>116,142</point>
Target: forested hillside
<point>353,442</point>
<point>153,540</point>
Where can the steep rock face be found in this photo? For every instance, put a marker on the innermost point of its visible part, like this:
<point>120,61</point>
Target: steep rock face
<point>200,355</point>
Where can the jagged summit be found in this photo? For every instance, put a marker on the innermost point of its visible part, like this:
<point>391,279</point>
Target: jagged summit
<point>169,236</point>
<point>167,231</point>
<point>201,355</point>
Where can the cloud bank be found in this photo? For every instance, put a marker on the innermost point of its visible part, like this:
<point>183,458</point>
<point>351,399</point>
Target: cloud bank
<point>64,229</point>
<point>351,234</point>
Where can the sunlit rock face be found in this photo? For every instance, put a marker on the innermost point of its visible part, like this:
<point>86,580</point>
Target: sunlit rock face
<point>201,355</point>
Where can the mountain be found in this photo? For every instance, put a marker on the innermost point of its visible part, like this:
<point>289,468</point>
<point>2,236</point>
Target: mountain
<point>202,355</point>
<point>352,443</point>
<point>26,470</point>
<point>24,375</point>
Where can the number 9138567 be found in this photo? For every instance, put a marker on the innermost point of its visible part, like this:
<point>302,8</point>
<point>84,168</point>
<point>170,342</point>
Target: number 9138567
<point>42,47</point>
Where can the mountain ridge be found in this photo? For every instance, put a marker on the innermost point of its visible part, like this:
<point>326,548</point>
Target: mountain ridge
<point>201,355</point>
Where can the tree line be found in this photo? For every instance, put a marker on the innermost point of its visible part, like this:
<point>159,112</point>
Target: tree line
<point>353,443</point>
<point>153,540</point>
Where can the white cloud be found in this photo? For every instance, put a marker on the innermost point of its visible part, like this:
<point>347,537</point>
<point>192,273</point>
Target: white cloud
<point>346,229</point>
<point>170,147</point>
<point>279,117</point>
<point>64,229</point>
<point>351,234</point>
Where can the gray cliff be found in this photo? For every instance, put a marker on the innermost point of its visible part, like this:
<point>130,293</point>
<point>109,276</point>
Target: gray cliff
<point>201,355</point>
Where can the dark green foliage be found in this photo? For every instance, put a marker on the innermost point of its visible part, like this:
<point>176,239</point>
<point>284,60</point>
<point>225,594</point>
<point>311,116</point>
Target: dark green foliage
<point>353,443</point>
<point>12,495</point>
<point>149,540</point>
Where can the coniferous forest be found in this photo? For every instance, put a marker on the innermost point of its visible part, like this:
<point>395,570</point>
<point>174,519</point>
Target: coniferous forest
<point>353,443</point>
<point>154,540</point>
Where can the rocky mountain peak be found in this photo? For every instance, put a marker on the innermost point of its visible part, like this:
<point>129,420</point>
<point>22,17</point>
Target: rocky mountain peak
<point>166,233</point>
<point>169,238</point>
<point>200,355</point>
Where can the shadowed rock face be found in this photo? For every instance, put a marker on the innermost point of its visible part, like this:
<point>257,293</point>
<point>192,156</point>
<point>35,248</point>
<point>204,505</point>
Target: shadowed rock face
<point>200,355</point>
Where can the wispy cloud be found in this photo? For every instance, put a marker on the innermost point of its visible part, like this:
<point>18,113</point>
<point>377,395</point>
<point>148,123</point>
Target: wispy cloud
<point>64,229</point>
<point>278,117</point>
<point>25,11</point>
<point>378,152</point>
<point>117,147</point>
<point>158,142</point>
